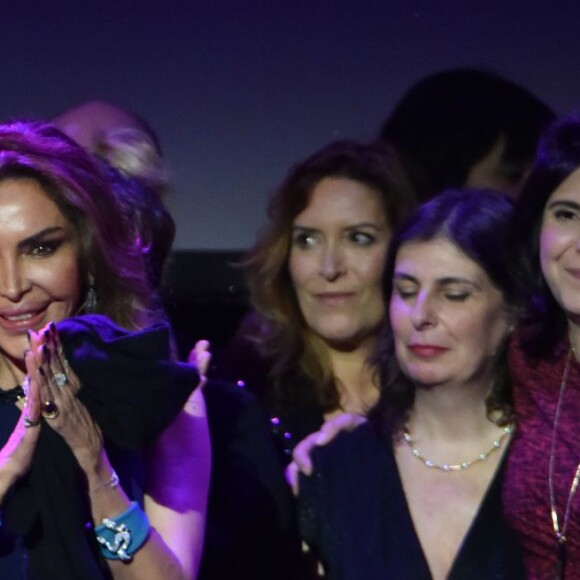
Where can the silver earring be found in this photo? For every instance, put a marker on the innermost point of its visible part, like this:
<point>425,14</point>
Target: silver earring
<point>90,304</point>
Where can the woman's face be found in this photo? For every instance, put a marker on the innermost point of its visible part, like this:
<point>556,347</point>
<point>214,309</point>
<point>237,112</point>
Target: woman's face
<point>493,172</point>
<point>560,245</point>
<point>39,263</point>
<point>337,259</point>
<point>449,321</point>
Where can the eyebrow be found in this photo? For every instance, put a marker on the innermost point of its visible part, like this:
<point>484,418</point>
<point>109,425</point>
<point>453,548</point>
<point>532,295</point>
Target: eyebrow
<point>564,203</point>
<point>39,237</point>
<point>348,227</point>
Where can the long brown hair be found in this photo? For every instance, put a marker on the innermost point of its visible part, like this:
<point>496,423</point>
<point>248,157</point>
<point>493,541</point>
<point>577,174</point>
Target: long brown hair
<point>283,335</point>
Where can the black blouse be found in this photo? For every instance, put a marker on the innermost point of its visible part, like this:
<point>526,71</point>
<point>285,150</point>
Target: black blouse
<point>354,513</point>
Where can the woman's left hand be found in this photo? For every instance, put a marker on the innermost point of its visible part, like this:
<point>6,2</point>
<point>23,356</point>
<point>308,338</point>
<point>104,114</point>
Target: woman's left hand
<point>59,405</point>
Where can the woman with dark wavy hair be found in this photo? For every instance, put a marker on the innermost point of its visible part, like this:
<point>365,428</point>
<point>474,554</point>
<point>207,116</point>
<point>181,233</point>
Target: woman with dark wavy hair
<point>415,492</point>
<point>102,474</point>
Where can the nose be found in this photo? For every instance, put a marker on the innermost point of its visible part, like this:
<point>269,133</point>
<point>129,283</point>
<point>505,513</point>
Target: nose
<point>423,313</point>
<point>13,280</point>
<point>332,262</point>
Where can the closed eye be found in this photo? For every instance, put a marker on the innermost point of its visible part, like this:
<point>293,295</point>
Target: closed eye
<point>457,296</point>
<point>405,291</point>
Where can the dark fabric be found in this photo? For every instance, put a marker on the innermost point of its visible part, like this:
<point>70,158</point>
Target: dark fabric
<point>251,531</point>
<point>353,511</point>
<point>12,554</point>
<point>536,389</point>
<point>291,401</point>
<point>133,390</point>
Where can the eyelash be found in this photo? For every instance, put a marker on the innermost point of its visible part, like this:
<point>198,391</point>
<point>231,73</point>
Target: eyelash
<point>362,238</point>
<point>458,297</point>
<point>303,240</point>
<point>452,297</point>
<point>46,248</point>
<point>565,215</point>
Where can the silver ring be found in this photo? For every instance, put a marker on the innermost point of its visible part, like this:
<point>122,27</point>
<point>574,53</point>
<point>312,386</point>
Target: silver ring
<point>27,422</point>
<point>60,379</point>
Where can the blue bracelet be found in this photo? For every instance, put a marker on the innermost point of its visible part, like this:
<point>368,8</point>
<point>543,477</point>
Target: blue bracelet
<point>122,536</point>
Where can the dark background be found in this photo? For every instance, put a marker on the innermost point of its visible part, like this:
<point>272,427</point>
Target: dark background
<point>238,90</point>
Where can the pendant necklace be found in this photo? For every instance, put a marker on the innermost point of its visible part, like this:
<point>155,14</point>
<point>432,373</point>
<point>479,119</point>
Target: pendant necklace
<point>12,395</point>
<point>507,430</point>
<point>561,536</point>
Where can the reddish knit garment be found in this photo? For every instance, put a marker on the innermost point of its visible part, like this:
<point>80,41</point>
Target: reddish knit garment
<point>526,490</point>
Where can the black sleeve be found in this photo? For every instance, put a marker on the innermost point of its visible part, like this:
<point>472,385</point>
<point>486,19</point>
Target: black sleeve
<point>251,531</point>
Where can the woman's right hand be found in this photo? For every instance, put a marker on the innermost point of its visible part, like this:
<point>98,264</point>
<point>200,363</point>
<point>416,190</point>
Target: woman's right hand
<point>16,455</point>
<point>301,460</point>
<point>200,356</point>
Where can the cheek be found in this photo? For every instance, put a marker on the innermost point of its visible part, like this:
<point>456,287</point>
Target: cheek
<point>399,318</point>
<point>299,267</point>
<point>550,244</point>
<point>61,280</point>
<point>496,325</point>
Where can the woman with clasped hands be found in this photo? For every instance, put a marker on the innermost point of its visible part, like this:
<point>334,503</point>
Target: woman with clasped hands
<point>104,463</point>
<point>416,491</point>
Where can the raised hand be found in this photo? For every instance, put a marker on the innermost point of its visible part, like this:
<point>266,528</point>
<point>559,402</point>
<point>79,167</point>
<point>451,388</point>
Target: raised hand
<point>16,455</point>
<point>301,460</point>
<point>58,385</point>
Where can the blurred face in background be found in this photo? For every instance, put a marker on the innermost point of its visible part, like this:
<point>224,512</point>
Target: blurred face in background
<point>494,172</point>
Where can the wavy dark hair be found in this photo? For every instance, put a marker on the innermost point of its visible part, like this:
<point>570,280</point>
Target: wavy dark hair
<point>282,334</point>
<point>475,221</point>
<point>109,260</point>
<point>558,157</point>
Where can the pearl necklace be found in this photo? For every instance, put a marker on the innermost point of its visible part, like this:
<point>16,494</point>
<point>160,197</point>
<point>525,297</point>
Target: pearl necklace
<point>506,432</point>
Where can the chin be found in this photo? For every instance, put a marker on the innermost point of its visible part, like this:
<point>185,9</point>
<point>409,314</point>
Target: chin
<point>14,348</point>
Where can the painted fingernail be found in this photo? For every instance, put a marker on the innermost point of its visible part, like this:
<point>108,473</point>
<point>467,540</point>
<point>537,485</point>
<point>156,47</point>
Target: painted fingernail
<point>46,334</point>
<point>41,371</point>
<point>52,327</point>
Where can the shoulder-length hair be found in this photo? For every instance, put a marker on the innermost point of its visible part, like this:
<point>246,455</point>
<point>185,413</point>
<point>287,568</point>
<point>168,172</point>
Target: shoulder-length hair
<point>283,334</point>
<point>558,157</point>
<point>108,260</point>
<point>475,221</point>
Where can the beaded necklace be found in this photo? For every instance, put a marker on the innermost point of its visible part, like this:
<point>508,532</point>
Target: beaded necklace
<point>464,464</point>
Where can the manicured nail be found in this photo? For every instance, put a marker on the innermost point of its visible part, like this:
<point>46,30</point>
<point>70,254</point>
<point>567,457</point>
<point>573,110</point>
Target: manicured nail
<point>41,371</point>
<point>52,327</point>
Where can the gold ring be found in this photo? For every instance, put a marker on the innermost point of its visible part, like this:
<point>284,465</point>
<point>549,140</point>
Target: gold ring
<point>49,410</point>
